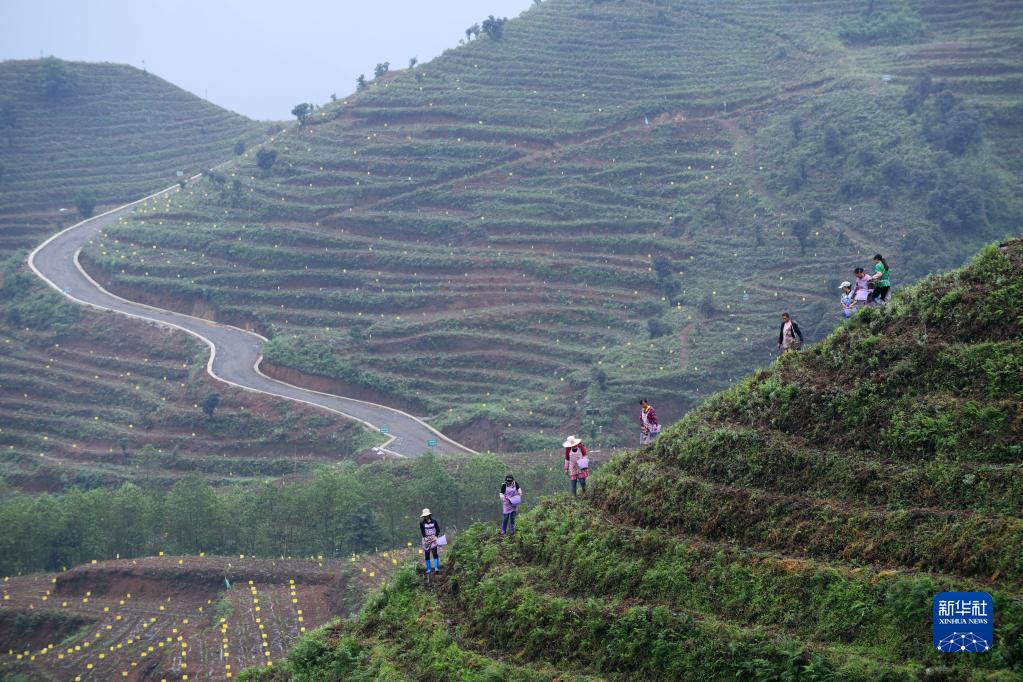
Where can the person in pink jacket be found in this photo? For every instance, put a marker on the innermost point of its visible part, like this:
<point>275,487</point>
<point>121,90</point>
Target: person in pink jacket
<point>576,462</point>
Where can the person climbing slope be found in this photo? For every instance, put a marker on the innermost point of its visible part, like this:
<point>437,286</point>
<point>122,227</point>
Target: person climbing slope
<point>577,463</point>
<point>430,530</point>
<point>649,427</point>
<point>881,280</point>
<point>848,302</point>
<point>788,333</point>
<point>511,498</point>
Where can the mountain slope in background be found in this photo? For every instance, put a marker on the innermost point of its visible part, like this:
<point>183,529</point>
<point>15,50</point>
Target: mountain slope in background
<point>612,200</point>
<point>795,527</point>
<point>89,399</point>
<point>110,129</point>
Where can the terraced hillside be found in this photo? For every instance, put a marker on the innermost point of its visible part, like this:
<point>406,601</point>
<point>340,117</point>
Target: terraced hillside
<point>90,399</point>
<point>794,527</point>
<point>613,200</point>
<point>108,129</point>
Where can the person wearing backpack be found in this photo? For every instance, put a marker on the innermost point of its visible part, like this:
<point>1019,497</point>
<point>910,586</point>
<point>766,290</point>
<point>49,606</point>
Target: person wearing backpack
<point>577,463</point>
<point>511,498</point>
<point>649,427</point>
<point>881,280</point>
<point>430,530</point>
<point>788,333</point>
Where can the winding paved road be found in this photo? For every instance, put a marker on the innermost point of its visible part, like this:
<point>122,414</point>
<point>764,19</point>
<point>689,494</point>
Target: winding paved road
<point>234,353</point>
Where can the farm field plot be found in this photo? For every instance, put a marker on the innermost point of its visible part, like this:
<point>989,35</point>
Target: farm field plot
<point>175,617</point>
<point>111,400</point>
<point>614,200</point>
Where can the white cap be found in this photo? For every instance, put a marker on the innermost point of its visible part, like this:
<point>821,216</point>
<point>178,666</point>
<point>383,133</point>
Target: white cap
<point>843,285</point>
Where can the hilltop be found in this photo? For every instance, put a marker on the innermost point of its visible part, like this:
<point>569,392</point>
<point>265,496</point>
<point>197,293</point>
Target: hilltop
<point>612,200</point>
<point>110,130</point>
<point>796,526</point>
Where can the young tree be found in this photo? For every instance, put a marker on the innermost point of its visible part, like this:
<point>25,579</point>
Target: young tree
<point>412,62</point>
<point>239,148</point>
<point>85,201</point>
<point>302,111</point>
<point>832,141</point>
<point>266,158</point>
<point>209,404</point>
<point>599,377</point>
<point>494,27</point>
<point>360,82</point>
<point>55,79</point>
<point>801,231</point>
<point>663,266</point>
<point>381,68</point>
<point>472,32</point>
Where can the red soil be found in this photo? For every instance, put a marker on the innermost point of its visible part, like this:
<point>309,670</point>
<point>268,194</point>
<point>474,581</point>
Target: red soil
<point>167,617</point>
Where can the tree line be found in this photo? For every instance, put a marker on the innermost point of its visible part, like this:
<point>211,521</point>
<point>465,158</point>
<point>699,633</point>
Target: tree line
<point>339,510</point>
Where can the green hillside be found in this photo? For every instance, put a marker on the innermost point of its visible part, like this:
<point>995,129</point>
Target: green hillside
<point>795,527</point>
<point>612,200</point>
<point>109,129</point>
<point>88,399</point>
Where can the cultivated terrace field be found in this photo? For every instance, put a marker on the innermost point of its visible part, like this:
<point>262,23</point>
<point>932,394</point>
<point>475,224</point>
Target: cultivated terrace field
<point>612,200</point>
<point>794,527</point>
<point>175,617</point>
<point>89,399</point>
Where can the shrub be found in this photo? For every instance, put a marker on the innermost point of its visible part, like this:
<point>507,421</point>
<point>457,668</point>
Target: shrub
<point>85,202</point>
<point>266,158</point>
<point>239,148</point>
<point>657,328</point>
<point>55,79</point>
<point>894,26</point>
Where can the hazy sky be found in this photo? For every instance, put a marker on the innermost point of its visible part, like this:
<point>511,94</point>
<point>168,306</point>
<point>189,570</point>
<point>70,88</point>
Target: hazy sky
<point>256,57</point>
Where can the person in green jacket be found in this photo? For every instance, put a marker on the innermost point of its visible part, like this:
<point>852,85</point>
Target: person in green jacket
<point>882,284</point>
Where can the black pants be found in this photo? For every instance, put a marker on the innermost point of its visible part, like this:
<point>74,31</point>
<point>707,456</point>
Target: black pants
<point>433,549</point>
<point>879,293</point>
<point>580,481</point>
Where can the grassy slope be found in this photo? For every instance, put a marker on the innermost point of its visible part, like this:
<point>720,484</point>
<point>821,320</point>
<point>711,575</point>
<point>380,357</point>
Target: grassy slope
<point>477,237</point>
<point>82,394</point>
<point>796,526</point>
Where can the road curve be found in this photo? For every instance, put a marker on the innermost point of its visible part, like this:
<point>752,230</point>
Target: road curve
<point>234,353</point>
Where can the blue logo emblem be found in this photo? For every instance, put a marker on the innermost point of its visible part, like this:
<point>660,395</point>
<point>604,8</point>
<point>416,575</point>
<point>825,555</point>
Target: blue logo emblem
<point>963,621</point>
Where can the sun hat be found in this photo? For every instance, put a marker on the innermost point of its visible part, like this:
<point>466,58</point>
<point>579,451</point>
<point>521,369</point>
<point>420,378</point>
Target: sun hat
<point>426,512</point>
<point>843,285</point>
<point>571,442</point>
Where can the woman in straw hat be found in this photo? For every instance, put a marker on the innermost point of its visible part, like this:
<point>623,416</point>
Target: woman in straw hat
<point>576,462</point>
<point>430,530</point>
